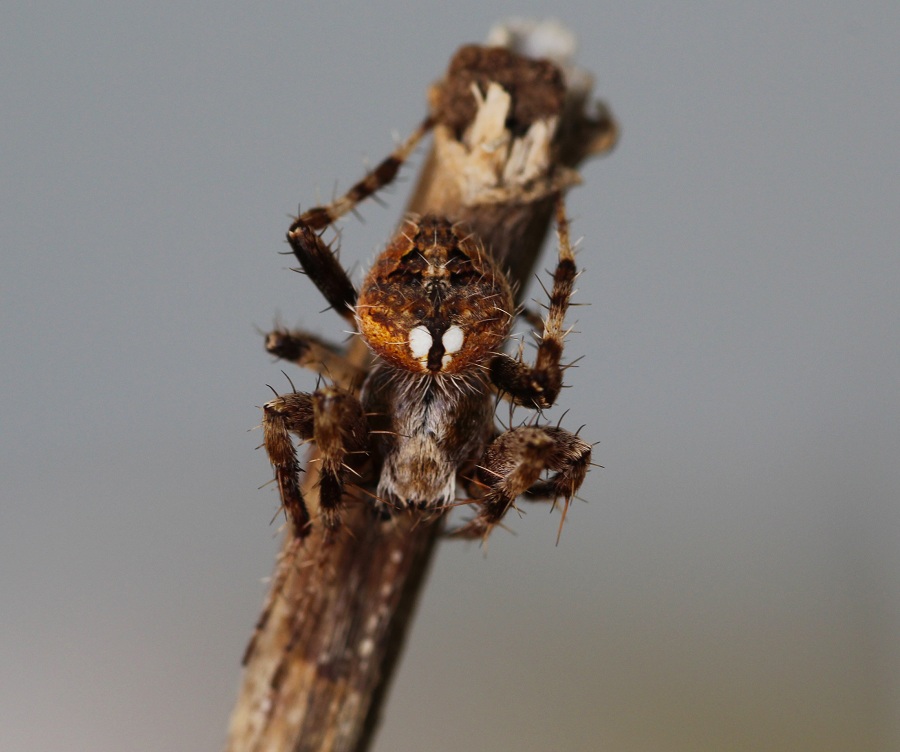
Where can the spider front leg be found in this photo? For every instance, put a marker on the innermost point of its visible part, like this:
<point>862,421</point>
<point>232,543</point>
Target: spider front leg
<point>513,465</point>
<point>334,419</point>
<point>315,256</point>
<point>538,386</point>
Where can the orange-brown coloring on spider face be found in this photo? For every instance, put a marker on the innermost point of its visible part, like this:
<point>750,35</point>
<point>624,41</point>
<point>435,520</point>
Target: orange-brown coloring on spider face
<point>434,300</point>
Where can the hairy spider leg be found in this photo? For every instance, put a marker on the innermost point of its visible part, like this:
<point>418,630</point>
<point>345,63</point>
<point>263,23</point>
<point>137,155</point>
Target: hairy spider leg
<point>515,461</point>
<point>334,419</point>
<point>539,385</point>
<point>316,257</point>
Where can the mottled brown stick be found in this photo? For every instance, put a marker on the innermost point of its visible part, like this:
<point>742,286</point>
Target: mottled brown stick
<point>340,603</point>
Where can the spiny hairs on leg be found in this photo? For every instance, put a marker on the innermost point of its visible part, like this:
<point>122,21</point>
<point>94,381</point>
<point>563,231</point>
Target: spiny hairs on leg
<point>312,352</point>
<point>315,256</point>
<point>320,217</point>
<point>513,465</point>
<point>341,435</point>
<point>538,386</point>
<point>515,461</point>
<point>334,419</point>
<point>282,416</point>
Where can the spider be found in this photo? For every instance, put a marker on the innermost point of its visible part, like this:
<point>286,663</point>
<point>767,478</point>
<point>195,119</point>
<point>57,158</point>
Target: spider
<point>435,310</point>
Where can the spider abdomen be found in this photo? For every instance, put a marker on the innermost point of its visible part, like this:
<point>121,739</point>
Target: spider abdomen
<point>426,429</point>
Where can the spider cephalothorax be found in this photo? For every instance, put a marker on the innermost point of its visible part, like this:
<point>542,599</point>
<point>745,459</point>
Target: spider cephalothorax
<point>434,301</point>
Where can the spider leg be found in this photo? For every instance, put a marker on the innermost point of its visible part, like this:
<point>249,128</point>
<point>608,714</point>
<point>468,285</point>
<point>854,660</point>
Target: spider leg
<point>334,419</point>
<point>314,353</point>
<point>340,432</point>
<point>538,385</point>
<point>323,268</point>
<point>315,256</point>
<point>320,217</point>
<point>513,465</point>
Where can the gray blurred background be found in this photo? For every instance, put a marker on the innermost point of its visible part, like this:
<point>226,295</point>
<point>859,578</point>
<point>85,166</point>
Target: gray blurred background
<point>732,581</point>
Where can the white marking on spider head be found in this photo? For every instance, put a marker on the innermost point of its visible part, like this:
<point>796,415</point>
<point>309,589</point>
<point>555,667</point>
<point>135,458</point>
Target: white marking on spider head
<point>420,342</point>
<point>453,340</point>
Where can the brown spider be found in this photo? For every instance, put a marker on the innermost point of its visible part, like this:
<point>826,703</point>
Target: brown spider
<point>435,310</point>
